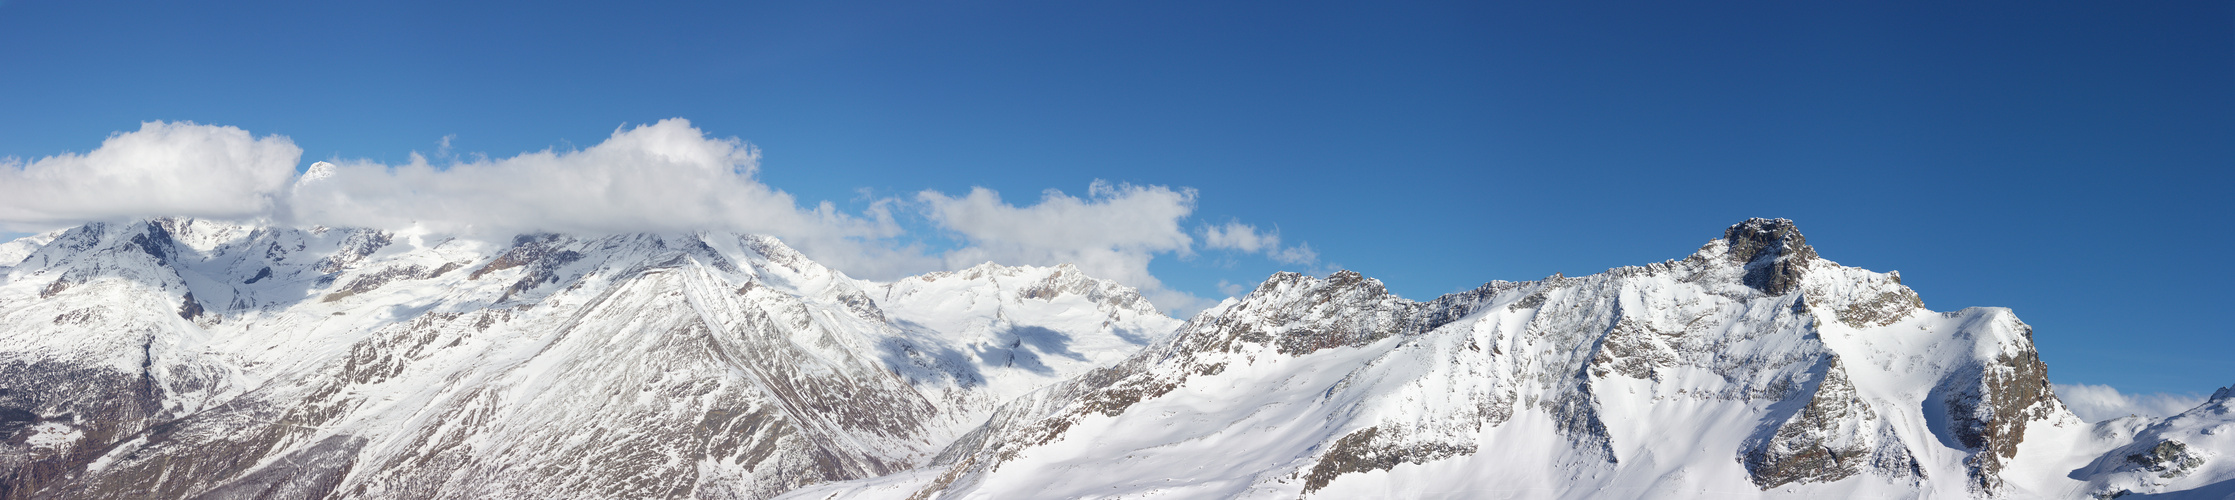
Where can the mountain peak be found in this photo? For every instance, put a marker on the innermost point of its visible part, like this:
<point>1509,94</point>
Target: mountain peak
<point>319,170</point>
<point>1758,237</point>
<point>1772,250</point>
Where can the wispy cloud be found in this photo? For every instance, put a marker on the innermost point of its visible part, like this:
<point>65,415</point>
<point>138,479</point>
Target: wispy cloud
<point>2095,403</point>
<point>1246,238</point>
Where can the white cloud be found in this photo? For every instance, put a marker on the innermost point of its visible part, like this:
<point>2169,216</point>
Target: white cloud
<point>178,168</point>
<point>2096,403</point>
<point>666,176</point>
<point>1235,235</point>
<point>1112,233</point>
<point>1238,236</point>
<point>1299,254</point>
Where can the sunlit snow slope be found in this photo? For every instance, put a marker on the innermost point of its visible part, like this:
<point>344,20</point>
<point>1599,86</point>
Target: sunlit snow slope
<point>1752,368</point>
<point>196,359</point>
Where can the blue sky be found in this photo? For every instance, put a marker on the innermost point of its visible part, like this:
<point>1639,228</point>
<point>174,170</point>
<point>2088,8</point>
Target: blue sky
<point>2068,160</point>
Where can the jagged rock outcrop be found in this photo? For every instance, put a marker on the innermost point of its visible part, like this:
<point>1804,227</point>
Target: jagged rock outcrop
<point>1837,435</point>
<point>1989,406</point>
<point>1773,252</point>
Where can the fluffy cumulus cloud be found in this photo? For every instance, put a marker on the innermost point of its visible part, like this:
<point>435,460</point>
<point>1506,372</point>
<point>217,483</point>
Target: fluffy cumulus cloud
<point>1113,232</point>
<point>179,168</point>
<point>665,176</point>
<point>1245,238</point>
<point>2096,403</point>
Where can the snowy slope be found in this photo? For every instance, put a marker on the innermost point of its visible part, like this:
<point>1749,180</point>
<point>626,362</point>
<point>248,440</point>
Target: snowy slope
<point>178,358</point>
<point>14,251</point>
<point>982,336</point>
<point>1751,369</point>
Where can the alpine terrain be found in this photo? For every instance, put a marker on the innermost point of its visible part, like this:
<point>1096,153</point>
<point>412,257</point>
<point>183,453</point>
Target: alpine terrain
<point>179,358</point>
<point>1753,368</point>
<point>198,359</point>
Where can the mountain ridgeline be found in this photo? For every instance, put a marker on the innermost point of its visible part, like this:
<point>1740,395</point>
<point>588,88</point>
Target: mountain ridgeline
<point>176,358</point>
<point>1752,368</point>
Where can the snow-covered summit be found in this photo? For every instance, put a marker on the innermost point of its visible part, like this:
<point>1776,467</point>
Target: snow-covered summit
<point>317,171</point>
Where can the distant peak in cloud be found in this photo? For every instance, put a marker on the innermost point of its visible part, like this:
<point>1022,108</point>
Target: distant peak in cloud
<point>319,170</point>
<point>1113,233</point>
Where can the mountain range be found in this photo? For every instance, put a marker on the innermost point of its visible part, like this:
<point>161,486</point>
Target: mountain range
<point>181,358</point>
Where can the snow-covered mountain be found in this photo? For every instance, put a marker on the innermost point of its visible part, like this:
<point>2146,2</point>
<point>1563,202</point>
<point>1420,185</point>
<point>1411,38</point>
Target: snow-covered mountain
<point>199,359</point>
<point>1752,368</point>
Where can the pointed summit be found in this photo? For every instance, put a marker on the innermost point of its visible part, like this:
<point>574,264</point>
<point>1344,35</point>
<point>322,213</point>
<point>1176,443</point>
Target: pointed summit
<point>317,171</point>
<point>1772,250</point>
<point>1758,237</point>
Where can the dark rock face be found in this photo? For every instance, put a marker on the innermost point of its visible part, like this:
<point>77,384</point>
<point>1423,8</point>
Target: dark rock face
<point>189,308</point>
<point>1834,437</point>
<point>266,272</point>
<point>2169,459</point>
<point>1988,411</point>
<point>104,405</point>
<point>1360,452</point>
<point>307,473</point>
<point>1773,252</point>
<point>176,458</point>
<point>156,241</point>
